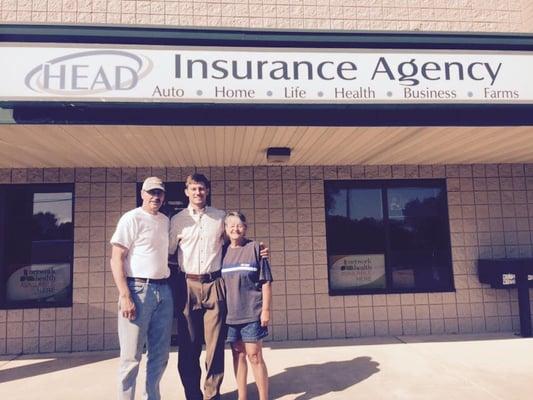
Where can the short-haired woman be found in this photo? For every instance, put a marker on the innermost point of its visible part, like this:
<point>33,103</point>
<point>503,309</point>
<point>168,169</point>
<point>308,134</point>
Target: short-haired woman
<point>248,279</point>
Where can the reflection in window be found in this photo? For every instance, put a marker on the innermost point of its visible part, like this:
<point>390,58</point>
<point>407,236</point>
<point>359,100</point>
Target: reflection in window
<point>37,237</point>
<point>52,216</point>
<point>365,204</point>
<point>414,201</point>
<point>358,220</point>
<point>387,236</point>
<point>356,247</point>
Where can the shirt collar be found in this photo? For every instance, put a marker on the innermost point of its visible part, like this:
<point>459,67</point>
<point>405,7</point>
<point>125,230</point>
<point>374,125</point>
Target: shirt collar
<point>193,211</point>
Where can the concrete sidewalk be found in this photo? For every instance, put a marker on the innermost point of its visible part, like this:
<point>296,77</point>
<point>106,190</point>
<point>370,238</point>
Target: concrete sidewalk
<point>454,367</point>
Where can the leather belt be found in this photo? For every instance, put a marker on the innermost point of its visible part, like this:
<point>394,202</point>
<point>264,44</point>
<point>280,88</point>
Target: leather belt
<point>204,278</point>
<point>148,280</point>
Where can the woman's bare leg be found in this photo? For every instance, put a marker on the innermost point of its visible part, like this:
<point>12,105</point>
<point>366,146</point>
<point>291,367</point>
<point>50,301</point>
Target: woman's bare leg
<point>240,367</point>
<point>254,352</point>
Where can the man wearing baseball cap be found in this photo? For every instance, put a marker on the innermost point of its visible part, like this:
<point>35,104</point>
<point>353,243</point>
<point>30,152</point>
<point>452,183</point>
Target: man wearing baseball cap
<point>140,270</point>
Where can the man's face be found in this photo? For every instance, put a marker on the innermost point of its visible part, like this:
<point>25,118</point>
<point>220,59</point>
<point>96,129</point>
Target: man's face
<point>197,194</point>
<point>152,199</point>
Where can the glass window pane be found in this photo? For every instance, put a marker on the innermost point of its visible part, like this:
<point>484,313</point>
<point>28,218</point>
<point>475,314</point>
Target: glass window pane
<point>366,218</point>
<point>38,259</point>
<point>418,233</point>
<point>414,202</point>
<point>17,228</point>
<point>401,245</point>
<point>359,229</point>
<point>365,204</point>
<point>52,216</point>
<point>356,239</point>
<point>336,202</point>
<point>419,269</point>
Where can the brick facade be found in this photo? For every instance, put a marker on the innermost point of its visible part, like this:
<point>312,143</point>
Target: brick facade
<point>490,208</point>
<point>387,15</point>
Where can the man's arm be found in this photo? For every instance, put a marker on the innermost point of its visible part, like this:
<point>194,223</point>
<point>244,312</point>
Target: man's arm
<point>126,304</point>
<point>263,251</point>
<point>267,300</point>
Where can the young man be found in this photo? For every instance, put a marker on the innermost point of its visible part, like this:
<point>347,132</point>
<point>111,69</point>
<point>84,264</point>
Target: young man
<point>198,231</point>
<point>140,270</point>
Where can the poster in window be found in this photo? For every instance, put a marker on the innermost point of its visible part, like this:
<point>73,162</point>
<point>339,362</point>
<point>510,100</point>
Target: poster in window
<point>40,282</point>
<point>396,206</point>
<point>357,271</point>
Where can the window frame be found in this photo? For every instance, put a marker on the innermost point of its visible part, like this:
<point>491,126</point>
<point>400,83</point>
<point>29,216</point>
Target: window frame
<point>35,188</point>
<point>384,185</point>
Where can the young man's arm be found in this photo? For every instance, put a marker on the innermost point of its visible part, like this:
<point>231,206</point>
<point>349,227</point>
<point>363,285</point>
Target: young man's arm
<point>263,251</point>
<point>126,304</point>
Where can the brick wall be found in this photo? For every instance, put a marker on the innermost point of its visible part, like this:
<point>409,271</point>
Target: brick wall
<point>491,212</point>
<point>395,15</point>
<point>527,16</point>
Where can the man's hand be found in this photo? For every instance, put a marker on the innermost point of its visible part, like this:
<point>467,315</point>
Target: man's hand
<point>127,307</point>
<point>265,318</point>
<point>263,251</point>
<point>125,303</point>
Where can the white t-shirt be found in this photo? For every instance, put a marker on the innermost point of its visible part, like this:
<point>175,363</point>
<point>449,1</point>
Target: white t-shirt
<point>146,237</point>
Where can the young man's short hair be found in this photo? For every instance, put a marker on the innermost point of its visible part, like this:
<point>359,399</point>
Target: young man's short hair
<point>197,178</point>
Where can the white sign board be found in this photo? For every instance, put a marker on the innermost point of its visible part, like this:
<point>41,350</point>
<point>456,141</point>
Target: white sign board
<point>358,271</point>
<point>48,72</point>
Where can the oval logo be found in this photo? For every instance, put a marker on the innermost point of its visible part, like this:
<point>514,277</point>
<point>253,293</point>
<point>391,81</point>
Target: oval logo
<point>89,72</point>
<point>39,281</point>
<point>362,271</point>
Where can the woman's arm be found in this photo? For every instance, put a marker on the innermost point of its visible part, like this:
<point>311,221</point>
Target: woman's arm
<point>267,300</point>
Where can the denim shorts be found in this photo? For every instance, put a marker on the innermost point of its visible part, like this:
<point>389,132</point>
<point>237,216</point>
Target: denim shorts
<point>249,332</point>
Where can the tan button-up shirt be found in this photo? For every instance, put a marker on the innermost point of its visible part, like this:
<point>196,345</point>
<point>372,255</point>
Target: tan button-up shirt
<point>199,235</point>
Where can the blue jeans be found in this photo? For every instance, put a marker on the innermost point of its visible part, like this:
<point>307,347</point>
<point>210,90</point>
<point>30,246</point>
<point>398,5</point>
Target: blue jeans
<point>152,326</point>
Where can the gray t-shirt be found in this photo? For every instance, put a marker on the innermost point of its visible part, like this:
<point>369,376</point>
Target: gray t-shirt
<point>244,272</point>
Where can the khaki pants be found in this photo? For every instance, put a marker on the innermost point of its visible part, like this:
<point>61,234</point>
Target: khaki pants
<point>202,321</point>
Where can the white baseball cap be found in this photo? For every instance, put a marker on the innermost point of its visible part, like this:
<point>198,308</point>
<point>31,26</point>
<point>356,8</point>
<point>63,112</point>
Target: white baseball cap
<point>152,183</point>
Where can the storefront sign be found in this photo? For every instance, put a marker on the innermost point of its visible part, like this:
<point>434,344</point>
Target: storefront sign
<point>361,271</point>
<point>39,282</point>
<point>185,74</point>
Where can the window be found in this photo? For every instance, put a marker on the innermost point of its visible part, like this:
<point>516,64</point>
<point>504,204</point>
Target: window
<point>36,245</point>
<point>388,236</point>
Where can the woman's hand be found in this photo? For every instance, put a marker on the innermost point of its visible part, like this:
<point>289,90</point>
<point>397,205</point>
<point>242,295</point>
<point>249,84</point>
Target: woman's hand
<point>265,318</point>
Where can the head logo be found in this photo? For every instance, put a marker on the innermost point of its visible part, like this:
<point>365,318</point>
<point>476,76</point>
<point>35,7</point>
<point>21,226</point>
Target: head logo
<point>89,72</point>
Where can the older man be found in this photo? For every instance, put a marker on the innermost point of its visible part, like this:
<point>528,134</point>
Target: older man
<point>140,270</point>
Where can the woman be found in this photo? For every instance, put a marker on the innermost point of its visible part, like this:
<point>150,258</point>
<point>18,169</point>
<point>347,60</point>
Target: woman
<point>248,294</point>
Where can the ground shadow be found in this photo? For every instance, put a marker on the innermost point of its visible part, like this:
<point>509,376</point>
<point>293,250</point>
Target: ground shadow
<point>313,380</point>
<point>51,364</point>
